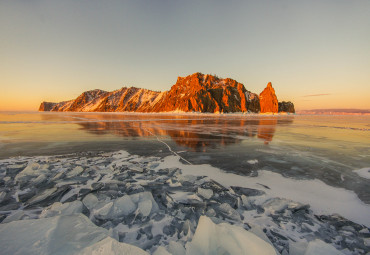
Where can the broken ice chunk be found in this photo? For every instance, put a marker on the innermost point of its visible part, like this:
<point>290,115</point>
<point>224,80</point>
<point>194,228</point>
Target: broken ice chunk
<point>161,251</point>
<point>123,206</point>
<point>76,171</point>
<point>297,248</point>
<point>145,207</point>
<point>41,178</point>
<point>73,234</point>
<point>14,216</point>
<point>42,196</point>
<point>246,202</point>
<point>90,201</point>
<point>206,193</point>
<point>109,246</point>
<point>318,247</point>
<point>276,205</point>
<point>176,248</point>
<point>229,212</point>
<point>139,197</point>
<point>2,196</point>
<point>223,238</point>
<point>62,209</point>
<point>103,210</point>
<point>31,170</point>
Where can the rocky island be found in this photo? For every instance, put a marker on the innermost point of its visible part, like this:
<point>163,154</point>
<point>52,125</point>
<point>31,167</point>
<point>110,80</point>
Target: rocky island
<point>194,93</point>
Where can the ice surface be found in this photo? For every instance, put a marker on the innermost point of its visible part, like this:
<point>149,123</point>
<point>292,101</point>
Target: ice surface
<point>58,208</point>
<point>318,247</point>
<point>74,234</point>
<point>175,248</point>
<point>322,198</point>
<point>17,215</point>
<point>150,201</point>
<point>109,246</point>
<point>211,238</point>
<point>297,248</point>
<point>363,172</point>
<point>161,251</point>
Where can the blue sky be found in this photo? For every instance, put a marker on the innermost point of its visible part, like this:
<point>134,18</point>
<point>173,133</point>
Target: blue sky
<point>55,50</point>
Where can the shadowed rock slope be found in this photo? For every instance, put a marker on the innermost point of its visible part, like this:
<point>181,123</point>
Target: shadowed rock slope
<point>194,93</point>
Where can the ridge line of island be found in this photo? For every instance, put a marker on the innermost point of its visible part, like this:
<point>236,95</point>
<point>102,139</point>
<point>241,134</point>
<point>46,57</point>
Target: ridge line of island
<point>194,93</point>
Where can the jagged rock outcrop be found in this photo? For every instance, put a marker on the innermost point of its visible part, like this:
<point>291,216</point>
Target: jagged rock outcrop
<point>207,93</point>
<point>194,93</point>
<point>286,107</point>
<point>46,106</point>
<point>268,100</point>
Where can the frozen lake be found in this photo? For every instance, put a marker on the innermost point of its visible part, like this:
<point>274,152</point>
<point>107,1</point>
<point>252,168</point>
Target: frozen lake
<point>322,161</point>
<point>328,148</point>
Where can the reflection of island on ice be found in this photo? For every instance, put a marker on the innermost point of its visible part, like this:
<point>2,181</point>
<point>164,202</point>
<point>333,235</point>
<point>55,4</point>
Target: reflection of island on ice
<point>191,132</point>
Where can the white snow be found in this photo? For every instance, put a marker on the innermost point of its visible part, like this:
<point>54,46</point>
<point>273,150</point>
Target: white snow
<point>363,172</point>
<point>211,238</point>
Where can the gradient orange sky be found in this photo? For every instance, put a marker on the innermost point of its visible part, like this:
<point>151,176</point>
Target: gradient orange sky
<point>315,53</point>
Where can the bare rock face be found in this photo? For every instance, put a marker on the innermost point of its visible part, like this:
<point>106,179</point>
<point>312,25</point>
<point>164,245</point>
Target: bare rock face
<point>268,100</point>
<point>46,106</point>
<point>286,107</point>
<point>207,93</point>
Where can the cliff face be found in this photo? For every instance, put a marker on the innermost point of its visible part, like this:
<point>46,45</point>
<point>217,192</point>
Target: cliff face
<point>268,100</point>
<point>46,106</point>
<point>193,93</point>
<point>207,93</point>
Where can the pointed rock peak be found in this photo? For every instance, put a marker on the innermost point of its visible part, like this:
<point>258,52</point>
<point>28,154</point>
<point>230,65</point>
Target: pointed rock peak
<point>268,99</point>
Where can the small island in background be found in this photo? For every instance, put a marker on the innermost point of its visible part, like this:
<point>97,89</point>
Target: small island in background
<point>194,93</point>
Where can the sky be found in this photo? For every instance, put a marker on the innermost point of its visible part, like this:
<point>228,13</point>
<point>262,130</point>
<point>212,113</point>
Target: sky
<point>315,53</point>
